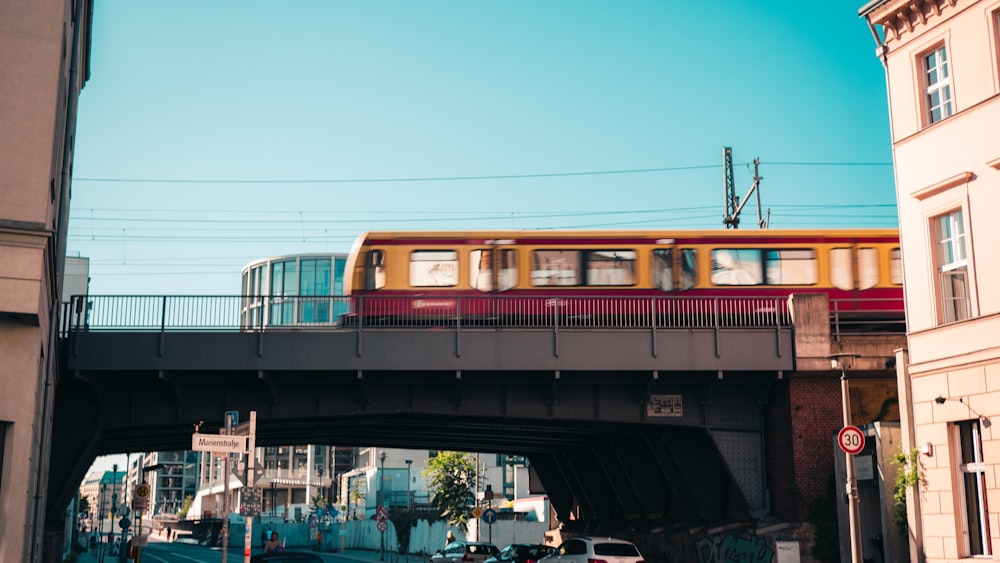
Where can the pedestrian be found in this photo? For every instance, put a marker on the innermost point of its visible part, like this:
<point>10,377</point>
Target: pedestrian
<point>450,538</point>
<point>273,545</point>
<point>170,532</point>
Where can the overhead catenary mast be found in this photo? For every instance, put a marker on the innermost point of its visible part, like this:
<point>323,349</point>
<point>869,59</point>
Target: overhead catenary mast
<point>731,219</point>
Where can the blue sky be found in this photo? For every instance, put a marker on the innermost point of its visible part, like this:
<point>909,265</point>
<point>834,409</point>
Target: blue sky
<point>214,134</point>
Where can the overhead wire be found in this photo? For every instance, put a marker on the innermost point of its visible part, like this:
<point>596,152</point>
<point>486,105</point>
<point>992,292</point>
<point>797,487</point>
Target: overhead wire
<point>454,178</point>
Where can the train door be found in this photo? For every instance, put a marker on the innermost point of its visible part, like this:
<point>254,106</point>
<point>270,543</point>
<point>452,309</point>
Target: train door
<point>374,270</point>
<point>853,270</point>
<point>674,268</point>
<point>372,276</point>
<point>493,271</point>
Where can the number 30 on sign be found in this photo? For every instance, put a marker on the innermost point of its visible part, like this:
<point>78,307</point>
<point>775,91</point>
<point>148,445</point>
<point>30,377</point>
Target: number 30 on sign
<point>851,439</point>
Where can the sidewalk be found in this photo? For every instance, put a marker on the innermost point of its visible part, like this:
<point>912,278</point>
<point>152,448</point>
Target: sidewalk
<point>235,555</point>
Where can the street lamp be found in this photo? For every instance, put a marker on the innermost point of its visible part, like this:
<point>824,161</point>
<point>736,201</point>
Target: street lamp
<point>320,471</point>
<point>381,490</point>
<point>409,503</point>
<point>845,361</point>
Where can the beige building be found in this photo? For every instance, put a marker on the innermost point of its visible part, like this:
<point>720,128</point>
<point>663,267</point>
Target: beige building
<point>44,52</point>
<point>942,63</point>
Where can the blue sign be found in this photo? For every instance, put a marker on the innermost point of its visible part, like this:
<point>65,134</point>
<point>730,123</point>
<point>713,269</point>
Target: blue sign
<point>489,516</point>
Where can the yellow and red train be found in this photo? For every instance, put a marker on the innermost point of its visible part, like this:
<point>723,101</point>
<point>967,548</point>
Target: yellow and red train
<point>859,269</point>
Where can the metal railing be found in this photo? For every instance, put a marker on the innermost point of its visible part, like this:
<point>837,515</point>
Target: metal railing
<point>256,313</point>
<point>867,316</point>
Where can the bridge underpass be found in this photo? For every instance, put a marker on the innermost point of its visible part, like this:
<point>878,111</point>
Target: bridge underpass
<point>624,428</point>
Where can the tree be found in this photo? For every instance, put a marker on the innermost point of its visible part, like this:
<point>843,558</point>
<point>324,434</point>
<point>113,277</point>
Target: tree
<point>188,501</point>
<point>84,505</point>
<point>451,476</point>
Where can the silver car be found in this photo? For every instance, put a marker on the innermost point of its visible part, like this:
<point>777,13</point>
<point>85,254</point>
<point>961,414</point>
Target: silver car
<point>595,550</point>
<point>465,552</point>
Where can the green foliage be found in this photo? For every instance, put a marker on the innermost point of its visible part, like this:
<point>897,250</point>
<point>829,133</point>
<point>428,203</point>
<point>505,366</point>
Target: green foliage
<point>404,520</point>
<point>318,501</point>
<point>84,504</point>
<point>908,476</point>
<point>823,517</point>
<point>188,501</point>
<point>451,476</point>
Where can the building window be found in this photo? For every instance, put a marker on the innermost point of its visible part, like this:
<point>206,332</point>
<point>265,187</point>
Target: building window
<point>283,278</point>
<point>976,524</point>
<point>952,267</point>
<point>937,85</point>
<point>314,279</point>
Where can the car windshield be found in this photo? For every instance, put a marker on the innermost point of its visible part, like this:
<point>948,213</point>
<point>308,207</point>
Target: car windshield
<point>616,549</point>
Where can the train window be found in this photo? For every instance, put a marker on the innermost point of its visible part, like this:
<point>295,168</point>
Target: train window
<point>374,270</point>
<point>663,269</point>
<point>791,267</point>
<point>610,267</point>
<point>842,268</point>
<point>433,268</point>
<point>508,269</point>
<point>733,266</point>
<point>867,268</point>
<point>481,269</point>
<point>896,267</point>
<point>555,267</point>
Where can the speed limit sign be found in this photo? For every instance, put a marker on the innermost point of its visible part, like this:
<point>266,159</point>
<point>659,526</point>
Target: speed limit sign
<point>851,439</point>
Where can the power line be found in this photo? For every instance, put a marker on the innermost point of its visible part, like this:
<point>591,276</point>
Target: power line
<point>449,178</point>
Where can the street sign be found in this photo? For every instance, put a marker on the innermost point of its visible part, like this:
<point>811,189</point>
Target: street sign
<point>381,513</point>
<point>219,443</point>
<point>140,501</point>
<point>124,523</point>
<point>477,512</point>
<point>851,439</point>
<point>489,516</point>
<point>381,525</point>
<point>250,502</point>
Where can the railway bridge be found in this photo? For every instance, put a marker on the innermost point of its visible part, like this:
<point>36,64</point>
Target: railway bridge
<point>724,413</point>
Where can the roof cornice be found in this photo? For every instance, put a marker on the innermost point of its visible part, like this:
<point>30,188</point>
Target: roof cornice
<point>902,16</point>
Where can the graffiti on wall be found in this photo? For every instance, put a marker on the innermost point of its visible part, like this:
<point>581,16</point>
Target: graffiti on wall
<point>728,548</point>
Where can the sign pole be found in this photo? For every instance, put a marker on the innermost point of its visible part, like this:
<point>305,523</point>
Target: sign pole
<point>225,489</point>
<point>852,482</point>
<point>251,446</point>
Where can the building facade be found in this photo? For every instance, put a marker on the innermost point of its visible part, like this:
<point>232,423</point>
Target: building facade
<point>942,64</point>
<point>44,63</point>
<point>303,289</point>
<point>171,477</point>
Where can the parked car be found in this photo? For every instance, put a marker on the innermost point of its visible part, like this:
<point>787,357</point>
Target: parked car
<point>596,550</point>
<point>465,552</point>
<point>287,557</point>
<point>521,553</point>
